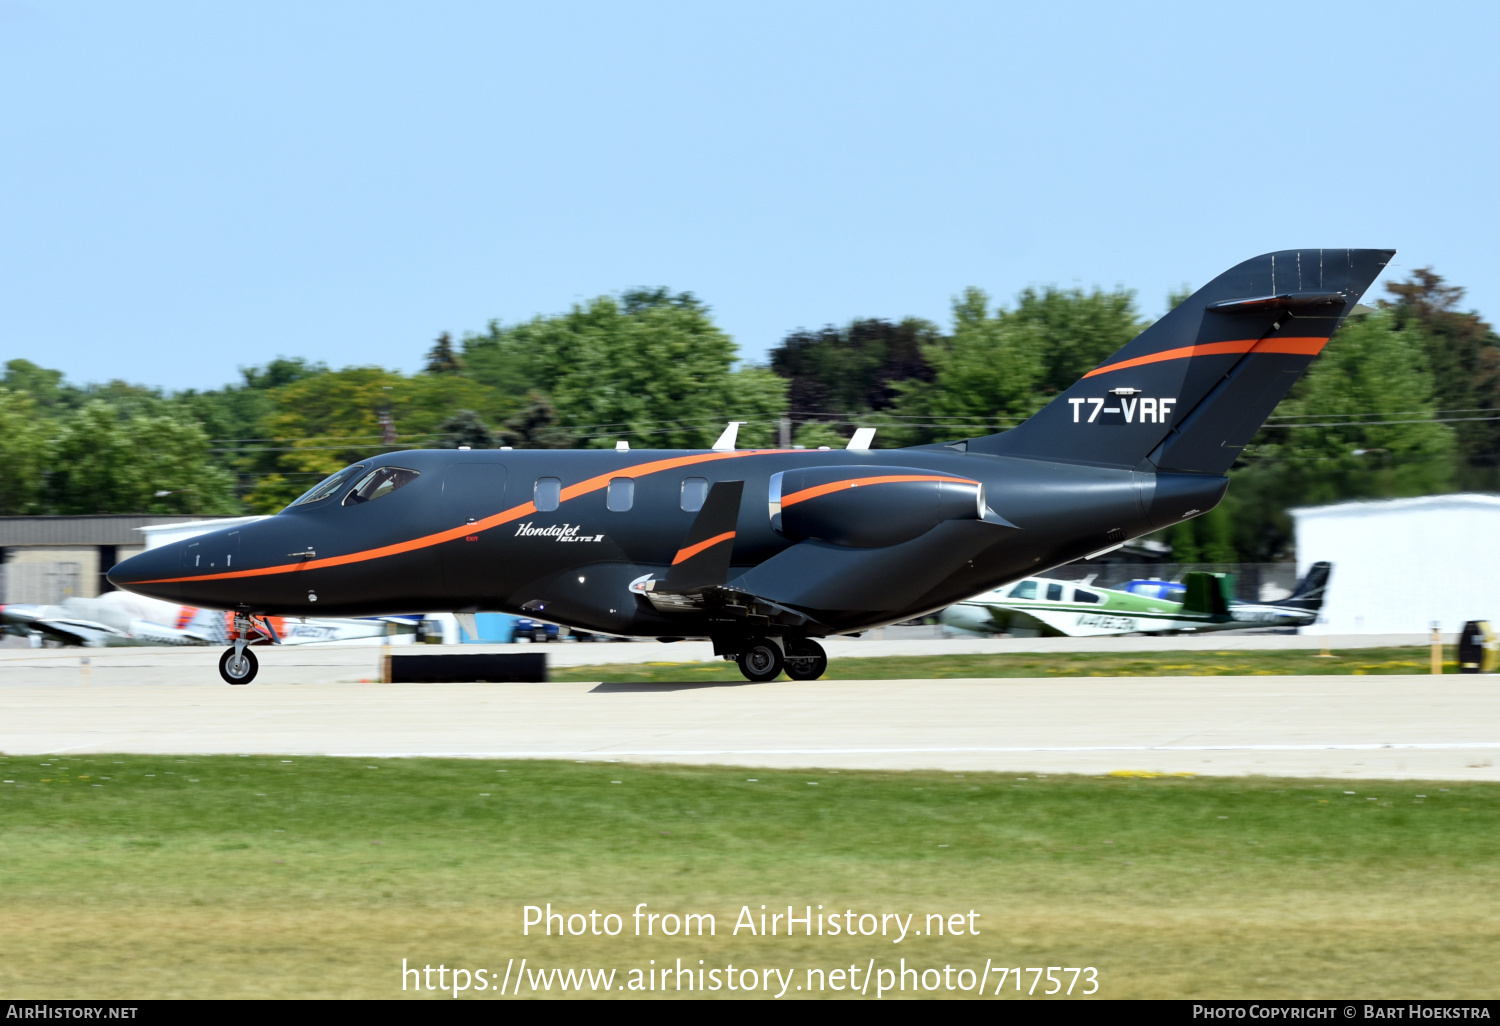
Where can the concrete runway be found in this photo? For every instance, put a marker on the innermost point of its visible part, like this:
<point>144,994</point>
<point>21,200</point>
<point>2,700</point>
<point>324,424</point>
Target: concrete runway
<point>352,661</point>
<point>150,701</point>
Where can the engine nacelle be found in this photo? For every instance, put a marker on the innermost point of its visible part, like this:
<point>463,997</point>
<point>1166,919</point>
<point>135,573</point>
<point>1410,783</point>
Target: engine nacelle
<point>868,507</point>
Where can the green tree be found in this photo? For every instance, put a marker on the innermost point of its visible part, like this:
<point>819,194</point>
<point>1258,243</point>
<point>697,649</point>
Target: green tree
<point>46,387</point>
<point>23,454</point>
<point>1371,394</point>
<point>327,421</point>
<point>441,358</point>
<point>1205,539</point>
<point>1078,329</point>
<point>649,367</point>
<point>1464,355</point>
<point>987,373</point>
<point>466,430</point>
<point>103,463</point>
<point>814,434</point>
<point>1359,425</point>
<point>842,373</point>
<point>536,427</point>
<point>756,395</point>
<point>234,417</point>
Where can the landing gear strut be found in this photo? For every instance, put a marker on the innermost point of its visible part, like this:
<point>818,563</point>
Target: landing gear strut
<point>760,660</point>
<point>805,659</point>
<point>238,664</point>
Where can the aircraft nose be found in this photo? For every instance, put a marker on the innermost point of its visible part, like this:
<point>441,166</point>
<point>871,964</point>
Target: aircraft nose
<point>146,572</point>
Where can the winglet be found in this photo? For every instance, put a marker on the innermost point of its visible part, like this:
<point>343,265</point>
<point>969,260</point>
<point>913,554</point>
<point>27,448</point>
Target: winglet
<point>703,559</point>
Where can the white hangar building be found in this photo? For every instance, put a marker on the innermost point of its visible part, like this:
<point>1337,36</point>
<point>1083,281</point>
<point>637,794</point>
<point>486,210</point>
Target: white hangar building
<point>1400,565</point>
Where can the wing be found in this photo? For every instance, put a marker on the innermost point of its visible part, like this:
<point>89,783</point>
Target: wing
<point>79,632</point>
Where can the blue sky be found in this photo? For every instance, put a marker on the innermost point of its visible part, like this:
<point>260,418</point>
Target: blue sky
<point>186,188</point>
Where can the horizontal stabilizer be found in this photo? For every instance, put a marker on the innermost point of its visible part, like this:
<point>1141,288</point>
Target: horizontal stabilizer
<point>1296,302</point>
<point>703,559</point>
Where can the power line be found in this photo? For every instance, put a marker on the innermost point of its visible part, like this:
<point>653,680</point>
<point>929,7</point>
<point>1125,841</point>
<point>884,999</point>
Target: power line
<point>1379,423</point>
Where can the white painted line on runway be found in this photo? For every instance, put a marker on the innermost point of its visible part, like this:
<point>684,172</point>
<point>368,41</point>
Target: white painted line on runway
<point>695,752</point>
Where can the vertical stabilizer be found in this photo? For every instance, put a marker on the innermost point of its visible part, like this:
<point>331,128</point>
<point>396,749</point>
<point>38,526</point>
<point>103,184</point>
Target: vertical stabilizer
<point>1188,393</point>
<point>1308,595</point>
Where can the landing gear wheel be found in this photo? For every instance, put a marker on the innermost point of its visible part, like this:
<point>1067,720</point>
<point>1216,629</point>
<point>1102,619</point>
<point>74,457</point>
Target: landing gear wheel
<point>761,660</point>
<point>238,668</point>
<point>805,660</point>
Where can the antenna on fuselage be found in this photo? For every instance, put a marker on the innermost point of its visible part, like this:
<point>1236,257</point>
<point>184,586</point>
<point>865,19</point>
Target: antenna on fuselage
<point>726,440</point>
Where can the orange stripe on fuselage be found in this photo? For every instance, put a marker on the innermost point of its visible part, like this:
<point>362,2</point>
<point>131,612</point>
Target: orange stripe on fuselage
<point>592,484</point>
<point>824,489</point>
<point>693,550</point>
<point>1294,346</point>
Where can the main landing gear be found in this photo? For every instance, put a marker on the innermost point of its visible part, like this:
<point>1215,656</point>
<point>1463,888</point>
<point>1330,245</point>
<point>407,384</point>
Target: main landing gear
<point>238,664</point>
<point>805,659</point>
<point>762,659</point>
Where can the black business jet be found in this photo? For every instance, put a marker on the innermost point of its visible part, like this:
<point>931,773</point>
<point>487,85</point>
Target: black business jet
<point>764,551</point>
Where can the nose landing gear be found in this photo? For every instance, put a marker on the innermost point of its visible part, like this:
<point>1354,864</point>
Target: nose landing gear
<point>238,664</point>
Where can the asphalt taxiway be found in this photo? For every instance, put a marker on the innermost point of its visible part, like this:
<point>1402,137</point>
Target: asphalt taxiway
<point>1398,726</point>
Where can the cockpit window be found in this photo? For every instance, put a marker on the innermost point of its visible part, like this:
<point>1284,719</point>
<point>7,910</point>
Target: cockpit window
<point>1024,590</point>
<point>328,486</point>
<point>379,483</point>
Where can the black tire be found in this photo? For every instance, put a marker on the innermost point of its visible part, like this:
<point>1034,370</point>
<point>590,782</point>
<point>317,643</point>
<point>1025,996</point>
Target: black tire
<point>761,660</point>
<point>238,671</point>
<point>805,659</point>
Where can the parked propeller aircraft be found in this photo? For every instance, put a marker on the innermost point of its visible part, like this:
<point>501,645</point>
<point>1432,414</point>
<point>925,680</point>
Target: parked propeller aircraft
<point>120,619</point>
<point>765,551</point>
<point>1203,602</point>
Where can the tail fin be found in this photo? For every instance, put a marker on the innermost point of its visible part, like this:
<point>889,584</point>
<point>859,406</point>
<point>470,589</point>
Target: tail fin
<point>1207,594</point>
<point>1310,590</point>
<point>1188,393</point>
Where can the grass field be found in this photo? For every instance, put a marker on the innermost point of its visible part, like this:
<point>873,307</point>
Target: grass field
<point>134,877</point>
<point>1078,664</point>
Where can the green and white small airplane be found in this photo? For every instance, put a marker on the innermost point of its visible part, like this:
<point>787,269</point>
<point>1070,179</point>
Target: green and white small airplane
<point>1040,606</point>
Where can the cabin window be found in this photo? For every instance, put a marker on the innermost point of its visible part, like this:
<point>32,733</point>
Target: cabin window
<point>694,491</point>
<point>548,494</point>
<point>379,483</point>
<point>328,486</point>
<point>1079,595</point>
<point>621,494</point>
<point>1024,590</point>
<point>1054,593</point>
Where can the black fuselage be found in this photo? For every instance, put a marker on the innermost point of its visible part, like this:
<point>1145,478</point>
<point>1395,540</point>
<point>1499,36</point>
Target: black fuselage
<point>465,535</point>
